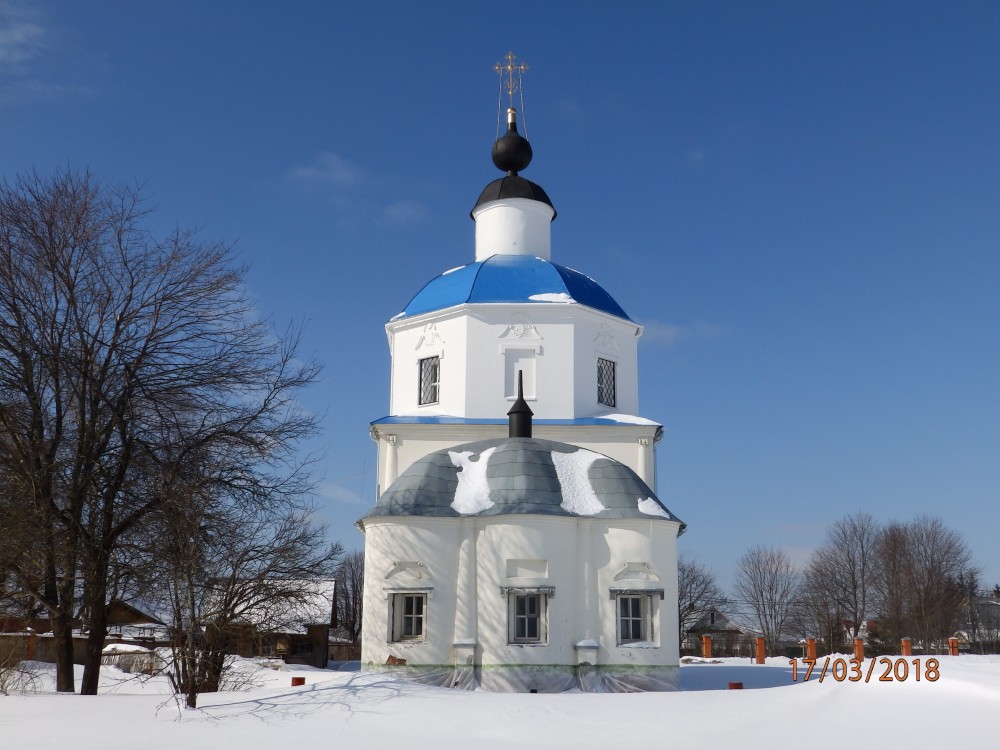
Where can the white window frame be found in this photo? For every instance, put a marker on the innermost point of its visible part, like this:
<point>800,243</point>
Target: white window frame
<point>537,602</point>
<point>436,385</point>
<point>601,387</point>
<point>400,619</point>
<point>538,594</point>
<point>646,617</point>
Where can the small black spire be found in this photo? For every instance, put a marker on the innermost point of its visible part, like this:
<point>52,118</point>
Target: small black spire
<point>511,152</point>
<point>519,416</point>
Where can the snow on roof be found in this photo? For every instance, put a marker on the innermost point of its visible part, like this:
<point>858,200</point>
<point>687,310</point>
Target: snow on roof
<point>651,507</point>
<point>311,604</point>
<point>519,476</point>
<point>573,470</point>
<point>124,648</point>
<point>472,494</point>
<point>629,419</point>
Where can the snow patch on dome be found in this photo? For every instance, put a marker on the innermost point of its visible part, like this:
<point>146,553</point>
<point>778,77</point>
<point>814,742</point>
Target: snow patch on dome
<point>573,470</point>
<point>650,507</point>
<point>630,419</point>
<point>473,492</point>
<point>552,297</point>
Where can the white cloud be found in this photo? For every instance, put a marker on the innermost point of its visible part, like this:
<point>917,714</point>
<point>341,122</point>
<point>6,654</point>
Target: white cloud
<point>328,168</point>
<point>28,70</point>
<point>355,194</point>
<point>21,37</point>
<point>406,212</point>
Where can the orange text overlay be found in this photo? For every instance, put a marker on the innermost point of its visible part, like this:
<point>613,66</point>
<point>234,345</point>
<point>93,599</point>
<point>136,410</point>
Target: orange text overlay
<point>885,669</point>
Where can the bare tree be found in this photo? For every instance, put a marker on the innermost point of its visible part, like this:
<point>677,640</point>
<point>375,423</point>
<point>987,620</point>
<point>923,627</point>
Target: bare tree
<point>121,355</point>
<point>848,559</point>
<point>924,570</point>
<point>817,612</point>
<point>938,560</point>
<point>350,577</point>
<point>230,566</point>
<point>837,586</point>
<point>892,583</point>
<point>698,592</point>
<point>766,581</point>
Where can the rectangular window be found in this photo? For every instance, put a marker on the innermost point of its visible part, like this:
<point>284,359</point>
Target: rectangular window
<point>430,378</point>
<point>408,614</point>
<point>526,618</point>
<point>605,382</point>
<point>634,618</point>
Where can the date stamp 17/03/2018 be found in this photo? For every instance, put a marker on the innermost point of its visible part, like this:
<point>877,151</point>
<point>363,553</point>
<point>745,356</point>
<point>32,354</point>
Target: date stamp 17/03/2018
<point>853,670</point>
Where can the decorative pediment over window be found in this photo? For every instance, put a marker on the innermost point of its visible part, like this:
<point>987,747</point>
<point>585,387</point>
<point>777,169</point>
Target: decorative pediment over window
<point>520,329</point>
<point>408,571</point>
<point>636,591</point>
<point>549,591</point>
<point>430,337</point>
<point>636,571</point>
<point>605,339</point>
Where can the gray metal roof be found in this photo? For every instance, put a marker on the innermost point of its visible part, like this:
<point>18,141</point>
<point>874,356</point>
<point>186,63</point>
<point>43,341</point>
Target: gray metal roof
<point>521,476</point>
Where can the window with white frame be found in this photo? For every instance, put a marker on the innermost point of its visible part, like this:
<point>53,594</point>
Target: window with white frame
<point>634,611</point>
<point>527,620</point>
<point>430,380</point>
<point>409,614</point>
<point>606,391</point>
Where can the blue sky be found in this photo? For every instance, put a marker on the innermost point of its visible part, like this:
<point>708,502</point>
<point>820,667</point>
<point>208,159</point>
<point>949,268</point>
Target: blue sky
<point>800,201</point>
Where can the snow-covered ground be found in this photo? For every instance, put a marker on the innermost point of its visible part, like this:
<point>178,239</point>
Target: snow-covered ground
<point>377,712</point>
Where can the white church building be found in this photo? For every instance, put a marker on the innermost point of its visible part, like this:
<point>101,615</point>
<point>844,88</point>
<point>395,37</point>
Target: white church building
<point>526,552</point>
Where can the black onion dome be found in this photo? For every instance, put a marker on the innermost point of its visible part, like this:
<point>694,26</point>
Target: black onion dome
<point>511,152</point>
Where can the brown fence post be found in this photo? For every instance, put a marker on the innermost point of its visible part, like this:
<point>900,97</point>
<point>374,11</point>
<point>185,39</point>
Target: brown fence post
<point>953,646</point>
<point>30,656</point>
<point>859,648</point>
<point>706,646</point>
<point>760,650</point>
<point>905,647</point>
<point>811,648</point>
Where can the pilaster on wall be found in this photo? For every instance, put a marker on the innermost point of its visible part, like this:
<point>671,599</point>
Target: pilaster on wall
<point>391,461</point>
<point>646,461</point>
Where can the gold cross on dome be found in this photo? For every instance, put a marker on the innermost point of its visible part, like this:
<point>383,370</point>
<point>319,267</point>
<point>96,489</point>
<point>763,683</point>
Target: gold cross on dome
<point>512,71</point>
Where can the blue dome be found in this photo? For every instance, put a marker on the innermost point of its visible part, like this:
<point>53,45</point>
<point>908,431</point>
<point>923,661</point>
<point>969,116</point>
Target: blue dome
<point>512,278</point>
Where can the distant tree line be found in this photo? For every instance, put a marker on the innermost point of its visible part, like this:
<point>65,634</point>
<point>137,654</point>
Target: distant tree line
<point>148,428</point>
<point>879,582</point>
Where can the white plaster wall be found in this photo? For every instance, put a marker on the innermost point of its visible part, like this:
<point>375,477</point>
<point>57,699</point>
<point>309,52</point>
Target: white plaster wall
<point>611,338</point>
<point>582,558</point>
<point>552,539</point>
<point>545,330</point>
<point>434,542</point>
<point>427,336</point>
<point>513,226</point>
<point>632,445</point>
<point>635,541</point>
<point>472,340</point>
